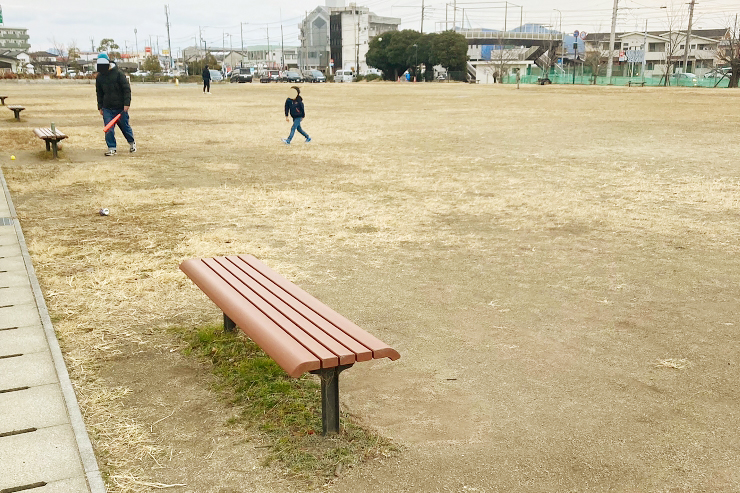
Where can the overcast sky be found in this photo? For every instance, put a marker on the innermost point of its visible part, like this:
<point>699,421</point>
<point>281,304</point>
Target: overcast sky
<point>61,23</point>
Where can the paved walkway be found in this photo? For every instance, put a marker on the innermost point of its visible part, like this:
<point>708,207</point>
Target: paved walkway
<point>44,446</point>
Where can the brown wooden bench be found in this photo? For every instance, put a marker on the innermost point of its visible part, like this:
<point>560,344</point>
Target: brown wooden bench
<point>295,329</point>
<point>2,100</point>
<point>16,109</point>
<point>635,83</point>
<point>51,137</point>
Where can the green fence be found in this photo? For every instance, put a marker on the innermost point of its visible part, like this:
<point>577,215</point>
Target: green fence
<point>618,81</point>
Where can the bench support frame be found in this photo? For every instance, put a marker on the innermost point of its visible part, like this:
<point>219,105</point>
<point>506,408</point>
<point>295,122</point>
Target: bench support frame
<point>330,397</point>
<point>54,148</point>
<point>329,389</point>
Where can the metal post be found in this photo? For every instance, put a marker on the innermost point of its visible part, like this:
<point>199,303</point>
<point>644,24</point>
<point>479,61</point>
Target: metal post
<point>229,325</point>
<point>330,397</point>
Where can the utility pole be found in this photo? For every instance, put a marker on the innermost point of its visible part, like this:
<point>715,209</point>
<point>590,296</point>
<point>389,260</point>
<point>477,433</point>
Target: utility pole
<point>644,51</point>
<point>92,43</point>
<point>357,39</point>
<point>688,38</point>
<point>267,58</point>
<point>282,49</point>
<point>136,40</point>
<point>241,32</point>
<point>169,41</point>
<point>421,29</point>
<point>610,60</point>
<point>454,15</point>
<point>506,14</point>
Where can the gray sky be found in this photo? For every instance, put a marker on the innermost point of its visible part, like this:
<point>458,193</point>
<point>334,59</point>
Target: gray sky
<point>51,22</point>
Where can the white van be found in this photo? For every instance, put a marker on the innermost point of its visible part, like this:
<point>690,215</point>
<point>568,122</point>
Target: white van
<point>343,76</point>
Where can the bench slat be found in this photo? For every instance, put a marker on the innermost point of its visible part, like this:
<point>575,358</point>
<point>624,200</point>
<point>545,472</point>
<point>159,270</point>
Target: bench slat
<point>378,347</point>
<point>46,133</point>
<point>305,317</point>
<point>346,355</point>
<point>293,357</point>
<point>327,358</point>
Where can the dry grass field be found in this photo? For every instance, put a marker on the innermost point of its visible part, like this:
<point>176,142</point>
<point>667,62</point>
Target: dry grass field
<point>558,266</point>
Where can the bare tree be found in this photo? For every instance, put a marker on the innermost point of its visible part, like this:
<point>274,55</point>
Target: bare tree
<point>729,51</point>
<point>676,15</point>
<point>596,57</point>
<point>550,56</point>
<point>60,53</point>
<point>501,61</point>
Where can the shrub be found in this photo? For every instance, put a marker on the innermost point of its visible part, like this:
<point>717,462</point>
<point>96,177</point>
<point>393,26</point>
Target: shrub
<point>372,77</point>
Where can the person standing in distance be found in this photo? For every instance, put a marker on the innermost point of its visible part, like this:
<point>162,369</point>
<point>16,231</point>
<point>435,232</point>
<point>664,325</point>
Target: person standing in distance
<point>114,98</point>
<point>206,80</point>
<point>294,107</point>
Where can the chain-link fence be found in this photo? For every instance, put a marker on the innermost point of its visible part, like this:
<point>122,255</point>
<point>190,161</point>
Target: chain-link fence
<point>622,81</point>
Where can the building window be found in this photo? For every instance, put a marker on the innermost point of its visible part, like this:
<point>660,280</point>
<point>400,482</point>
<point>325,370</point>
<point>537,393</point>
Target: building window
<point>650,66</point>
<point>656,47</point>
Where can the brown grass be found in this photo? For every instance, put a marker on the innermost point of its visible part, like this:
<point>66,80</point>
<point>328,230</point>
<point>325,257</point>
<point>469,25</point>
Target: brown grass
<point>514,187</point>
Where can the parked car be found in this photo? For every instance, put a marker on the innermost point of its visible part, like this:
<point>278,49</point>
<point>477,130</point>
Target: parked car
<point>241,75</point>
<point>313,76</point>
<point>142,73</point>
<point>291,76</point>
<point>718,73</point>
<point>216,75</point>
<point>684,79</point>
<point>270,76</point>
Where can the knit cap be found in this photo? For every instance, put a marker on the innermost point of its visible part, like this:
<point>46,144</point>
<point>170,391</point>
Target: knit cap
<point>103,59</point>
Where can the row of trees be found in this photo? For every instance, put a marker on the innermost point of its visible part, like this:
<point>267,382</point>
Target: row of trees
<point>395,52</point>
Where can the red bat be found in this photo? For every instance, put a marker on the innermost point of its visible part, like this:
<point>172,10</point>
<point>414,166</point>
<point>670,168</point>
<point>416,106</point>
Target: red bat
<point>112,122</point>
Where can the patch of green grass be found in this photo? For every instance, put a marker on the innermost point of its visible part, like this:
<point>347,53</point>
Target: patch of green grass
<point>287,410</point>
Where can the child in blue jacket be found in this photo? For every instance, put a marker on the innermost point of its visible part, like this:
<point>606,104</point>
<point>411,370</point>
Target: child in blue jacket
<point>294,107</point>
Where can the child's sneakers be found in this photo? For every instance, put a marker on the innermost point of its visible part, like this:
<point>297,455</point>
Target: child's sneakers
<point>133,147</point>
<point>286,142</point>
<point>308,139</point>
<point>111,152</point>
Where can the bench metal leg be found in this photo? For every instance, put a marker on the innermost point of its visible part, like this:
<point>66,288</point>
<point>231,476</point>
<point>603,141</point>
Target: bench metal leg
<point>330,397</point>
<point>48,145</point>
<point>229,325</point>
<point>54,149</point>
<point>17,115</point>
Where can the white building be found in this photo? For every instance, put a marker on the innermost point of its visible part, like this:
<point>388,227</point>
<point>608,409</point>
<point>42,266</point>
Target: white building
<point>336,36</point>
<point>662,49</point>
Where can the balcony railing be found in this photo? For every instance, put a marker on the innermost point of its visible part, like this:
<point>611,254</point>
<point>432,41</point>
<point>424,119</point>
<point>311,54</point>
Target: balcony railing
<point>510,35</point>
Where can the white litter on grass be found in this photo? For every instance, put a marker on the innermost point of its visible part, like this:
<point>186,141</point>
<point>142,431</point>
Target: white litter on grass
<point>676,364</point>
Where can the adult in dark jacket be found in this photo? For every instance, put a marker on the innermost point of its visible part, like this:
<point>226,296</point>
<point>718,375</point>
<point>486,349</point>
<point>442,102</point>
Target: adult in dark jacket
<point>114,98</point>
<point>294,107</point>
<point>206,80</point>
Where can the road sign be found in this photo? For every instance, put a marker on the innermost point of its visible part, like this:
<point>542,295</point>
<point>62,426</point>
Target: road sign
<point>576,33</point>
<point>583,35</point>
<point>148,49</point>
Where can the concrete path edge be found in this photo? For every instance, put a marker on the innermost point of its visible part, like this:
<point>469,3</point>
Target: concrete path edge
<point>87,455</point>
